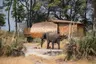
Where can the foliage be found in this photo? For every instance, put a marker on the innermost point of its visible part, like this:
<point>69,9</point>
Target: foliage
<point>7,4</point>
<point>73,6</point>
<point>30,10</point>
<point>39,17</point>
<point>53,3</point>
<point>37,6</point>
<point>2,19</point>
<point>82,48</point>
<point>14,12</point>
<point>18,11</point>
<point>75,10</point>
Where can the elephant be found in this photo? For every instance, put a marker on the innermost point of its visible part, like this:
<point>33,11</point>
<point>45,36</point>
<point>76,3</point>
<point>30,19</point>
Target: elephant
<point>52,37</point>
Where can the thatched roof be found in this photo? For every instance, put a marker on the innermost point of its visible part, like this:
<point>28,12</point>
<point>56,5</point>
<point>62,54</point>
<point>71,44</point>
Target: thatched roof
<point>64,21</point>
<point>43,27</point>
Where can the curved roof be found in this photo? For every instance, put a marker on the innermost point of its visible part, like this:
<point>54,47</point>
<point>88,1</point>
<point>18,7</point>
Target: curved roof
<point>43,27</point>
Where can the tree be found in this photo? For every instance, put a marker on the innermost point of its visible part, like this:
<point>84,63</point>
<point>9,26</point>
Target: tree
<point>33,12</point>
<point>20,13</point>
<point>14,10</point>
<point>29,12</point>
<point>68,9</point>
<point>8,4</point>
<point>94,21</point>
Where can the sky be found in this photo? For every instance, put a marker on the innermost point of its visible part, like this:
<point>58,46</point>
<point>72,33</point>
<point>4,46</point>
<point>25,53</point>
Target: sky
<point>6,17</point>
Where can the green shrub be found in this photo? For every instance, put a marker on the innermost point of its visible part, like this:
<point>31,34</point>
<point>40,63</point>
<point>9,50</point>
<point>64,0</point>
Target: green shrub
<point>82,48</point>
<point>37,40</point>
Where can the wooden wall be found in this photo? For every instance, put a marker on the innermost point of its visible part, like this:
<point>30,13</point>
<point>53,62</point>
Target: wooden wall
<point>75,30</point>
<point>80,30</point>
<point>63,29</point>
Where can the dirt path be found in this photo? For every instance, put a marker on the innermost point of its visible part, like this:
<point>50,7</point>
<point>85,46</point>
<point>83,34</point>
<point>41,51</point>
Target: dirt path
<point>44,53</point>
<point>35,55</point>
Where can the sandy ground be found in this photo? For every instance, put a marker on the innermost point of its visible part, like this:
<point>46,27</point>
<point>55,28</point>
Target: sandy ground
<point>32,59</point>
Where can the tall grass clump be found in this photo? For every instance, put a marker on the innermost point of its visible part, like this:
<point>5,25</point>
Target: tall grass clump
<point>11,49</point>
<point>10,45</point>
<point>84,47</point>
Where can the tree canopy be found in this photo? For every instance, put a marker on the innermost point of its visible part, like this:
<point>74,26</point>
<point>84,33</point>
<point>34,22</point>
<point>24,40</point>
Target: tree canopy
<point>33,11</point>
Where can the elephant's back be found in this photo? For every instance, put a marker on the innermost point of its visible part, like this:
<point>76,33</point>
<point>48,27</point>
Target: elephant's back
<point>52,35</point>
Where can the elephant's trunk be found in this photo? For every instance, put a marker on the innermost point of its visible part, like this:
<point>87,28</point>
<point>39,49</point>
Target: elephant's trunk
<point>43,38</point>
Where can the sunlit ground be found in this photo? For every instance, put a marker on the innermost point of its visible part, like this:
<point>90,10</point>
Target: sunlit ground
<point>38,60</point>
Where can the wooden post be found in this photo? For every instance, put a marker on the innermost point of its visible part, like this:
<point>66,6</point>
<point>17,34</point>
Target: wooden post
<point>69,36</point>
<point>58,31</point>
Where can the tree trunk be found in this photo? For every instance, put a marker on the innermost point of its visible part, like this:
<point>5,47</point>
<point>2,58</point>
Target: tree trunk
<point>48,12</point>
<point>70,25</point>
<point>9,16</point>
<point>9,20</point>
<point>16,27</point>
<point>85,18</point>
<point>30,21</point>
<point>16,17</point>
<point>27,20</point>
<point>94,21</point>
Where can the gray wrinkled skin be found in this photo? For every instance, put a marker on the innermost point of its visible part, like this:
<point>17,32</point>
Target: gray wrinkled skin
<point>52,37</point>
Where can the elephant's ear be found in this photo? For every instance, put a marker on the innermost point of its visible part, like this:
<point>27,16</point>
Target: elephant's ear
<point>44,36</point>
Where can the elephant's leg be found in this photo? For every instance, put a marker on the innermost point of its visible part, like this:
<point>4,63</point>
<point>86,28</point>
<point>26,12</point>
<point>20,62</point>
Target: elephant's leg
<point>52,45</point>
<point>48,42</point>
<point>42,41</point>
<point>58,45</point>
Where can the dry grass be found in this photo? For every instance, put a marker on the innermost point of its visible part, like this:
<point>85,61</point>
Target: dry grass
<point>36,59</point>
<point>60,60</point>
<point>8,42</point>
<point>32,59</point>
<point>14,60</point>
<point>61,56</point>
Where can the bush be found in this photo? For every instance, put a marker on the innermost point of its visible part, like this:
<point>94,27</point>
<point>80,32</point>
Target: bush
<point>9,45</point>
<point>16,49</point>
<point>37,40</point>
<point>12,49</point>
<point>82,48</point>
